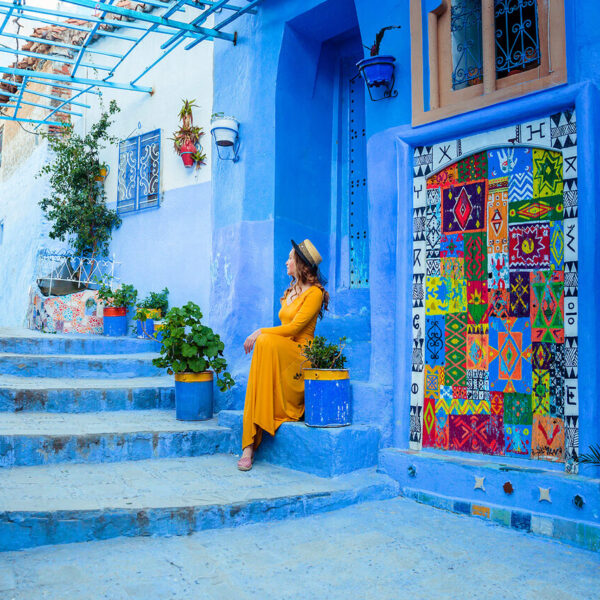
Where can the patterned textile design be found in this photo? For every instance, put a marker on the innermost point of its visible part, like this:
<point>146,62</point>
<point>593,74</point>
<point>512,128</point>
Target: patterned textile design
<point>529,246</point>
<point>497,284</point>
<point>463,207</point>
<point>548,306</point>
<point>547,173</point>
<point>456,340</point>
<point>434,340</point>
<point>509,355</point>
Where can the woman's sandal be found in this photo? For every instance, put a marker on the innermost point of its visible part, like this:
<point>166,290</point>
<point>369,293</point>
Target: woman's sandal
<point>245,463</point>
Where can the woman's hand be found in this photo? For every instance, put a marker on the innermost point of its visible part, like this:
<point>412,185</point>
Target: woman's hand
<point>250,340</point>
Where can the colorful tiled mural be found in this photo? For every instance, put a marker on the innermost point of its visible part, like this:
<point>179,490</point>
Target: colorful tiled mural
<point>495,293</point>
<point>74,313</point>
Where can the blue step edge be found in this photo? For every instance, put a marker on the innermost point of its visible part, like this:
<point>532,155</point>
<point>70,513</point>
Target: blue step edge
<point>326,452</point>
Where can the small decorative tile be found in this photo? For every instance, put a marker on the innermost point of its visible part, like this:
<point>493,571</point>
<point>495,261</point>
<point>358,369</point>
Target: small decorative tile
<point>479,483</point>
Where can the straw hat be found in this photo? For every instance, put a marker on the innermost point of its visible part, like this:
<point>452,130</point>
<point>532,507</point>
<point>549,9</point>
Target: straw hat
<point>308,253</point>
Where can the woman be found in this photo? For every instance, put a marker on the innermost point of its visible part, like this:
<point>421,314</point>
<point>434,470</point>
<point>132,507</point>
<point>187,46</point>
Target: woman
<point>274,394</point>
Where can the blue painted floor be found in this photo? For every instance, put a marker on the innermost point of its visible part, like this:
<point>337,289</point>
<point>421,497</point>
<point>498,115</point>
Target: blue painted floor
<point>391,549</point>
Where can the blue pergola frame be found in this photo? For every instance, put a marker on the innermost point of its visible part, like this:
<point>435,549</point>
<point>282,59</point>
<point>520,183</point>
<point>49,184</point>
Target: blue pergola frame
<point>162,18</point>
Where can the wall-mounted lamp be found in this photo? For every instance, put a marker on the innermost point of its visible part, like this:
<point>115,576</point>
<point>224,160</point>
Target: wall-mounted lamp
<point>378,73</point>
<point>225,133</point>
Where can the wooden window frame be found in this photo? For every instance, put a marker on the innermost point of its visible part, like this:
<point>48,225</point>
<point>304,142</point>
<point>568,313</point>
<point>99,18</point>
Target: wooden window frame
<point>445,102</point>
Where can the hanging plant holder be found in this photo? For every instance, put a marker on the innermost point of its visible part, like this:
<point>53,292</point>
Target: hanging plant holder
<point>378,73</point>
<point>225,133</point>
<point>187,150</point>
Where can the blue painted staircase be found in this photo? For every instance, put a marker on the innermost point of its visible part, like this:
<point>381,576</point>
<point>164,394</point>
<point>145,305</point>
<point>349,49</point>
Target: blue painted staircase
<point>90,449</point>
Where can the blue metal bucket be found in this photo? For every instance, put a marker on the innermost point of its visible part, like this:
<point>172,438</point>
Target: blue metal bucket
<point>377,70</point>
<point>327,398</point>
<point>194,396</point>
<point>115,321</point>
<point>145,329</point>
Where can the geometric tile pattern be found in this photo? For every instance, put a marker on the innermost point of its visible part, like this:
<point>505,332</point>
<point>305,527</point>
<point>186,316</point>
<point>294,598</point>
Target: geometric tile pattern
<point>499,295</point>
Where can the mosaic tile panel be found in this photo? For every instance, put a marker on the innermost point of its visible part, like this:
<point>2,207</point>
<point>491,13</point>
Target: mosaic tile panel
<point>496,281</point>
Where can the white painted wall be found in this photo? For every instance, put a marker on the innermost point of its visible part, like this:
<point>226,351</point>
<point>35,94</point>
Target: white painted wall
<point>170,246</point>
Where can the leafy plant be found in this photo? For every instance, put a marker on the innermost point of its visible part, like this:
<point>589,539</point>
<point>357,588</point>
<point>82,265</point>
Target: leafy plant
<point>322,355</point>
<point>592,457</point>
<point>125,295</point>
<point>188,133</point>
<point>188,346</point>
<point>374,49</point>
<point>154,300</point>
<point>76,205</point>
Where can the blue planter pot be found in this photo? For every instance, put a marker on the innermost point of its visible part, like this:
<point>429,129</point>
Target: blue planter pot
<point>145,329</point>
<point>194,396</point>
<point>115,321</point>
<point>377,70</point>
<point>327,398</point>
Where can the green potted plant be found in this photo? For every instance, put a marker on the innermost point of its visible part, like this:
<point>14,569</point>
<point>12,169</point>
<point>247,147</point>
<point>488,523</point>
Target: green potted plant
<point>193,352</point>
<point>116,303</point>
<point>187,138</point>
<point>150,310</point>
<point>76,203</point>
<point>326,384</point>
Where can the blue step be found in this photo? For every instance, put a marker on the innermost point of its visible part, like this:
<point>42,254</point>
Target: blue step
<point>32,342</point>
<point>326,452</point>
<point>47,438</point>
<point>59,504</point>
<point>43,394</point>
<point>114,366</point>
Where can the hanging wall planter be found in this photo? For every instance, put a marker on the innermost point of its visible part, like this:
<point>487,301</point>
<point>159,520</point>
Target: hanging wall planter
<point>378,70</point>
<point>186,152</point>
<point>225,132</point>
<point>186,140</point>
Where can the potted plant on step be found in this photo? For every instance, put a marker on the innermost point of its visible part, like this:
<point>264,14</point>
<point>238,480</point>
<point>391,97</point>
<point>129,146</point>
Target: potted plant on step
<point>378,70</point>
<point>116,303</point>
<point>149,310</point>
<point>187,138</point>
<point>190,350</point>
<point>326,384</point>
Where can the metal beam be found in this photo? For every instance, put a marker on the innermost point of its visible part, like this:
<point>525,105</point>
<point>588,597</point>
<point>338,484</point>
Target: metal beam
<point>197,21</point>
<point>225,6</point>
<point>56,43</point>
<point>150,18</point>
<point>49,96</point>
<point>44,106</point>
<point>56,85</point>
<point>103,32</point>
<point>226,22</point>
<point>79,80</point>
<point>52,57</point>
<point>57,109</point>
<point>4,118</point>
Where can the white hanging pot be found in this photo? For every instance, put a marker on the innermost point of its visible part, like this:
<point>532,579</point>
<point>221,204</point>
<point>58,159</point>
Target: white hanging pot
<point>224,130</point>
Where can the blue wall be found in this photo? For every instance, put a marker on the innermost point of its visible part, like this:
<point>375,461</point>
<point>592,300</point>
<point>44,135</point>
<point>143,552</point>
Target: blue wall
<point>281,75</point>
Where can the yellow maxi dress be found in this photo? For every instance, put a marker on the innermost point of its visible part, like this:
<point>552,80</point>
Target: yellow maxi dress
<point>273,394</point>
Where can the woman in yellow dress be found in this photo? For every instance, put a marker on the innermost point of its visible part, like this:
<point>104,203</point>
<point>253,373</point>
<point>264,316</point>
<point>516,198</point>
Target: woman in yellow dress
<point>274,394</point>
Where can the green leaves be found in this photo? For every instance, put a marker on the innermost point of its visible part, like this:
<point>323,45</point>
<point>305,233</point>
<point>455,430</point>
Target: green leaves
<point>190,346</point>
<point>322,355</point>
<point>156,300</point>
<point>76,204</point>
<point>125,295</point>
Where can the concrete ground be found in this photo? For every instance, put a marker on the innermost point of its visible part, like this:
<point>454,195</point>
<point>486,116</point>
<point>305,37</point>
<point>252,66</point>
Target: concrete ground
<point>392,549</point>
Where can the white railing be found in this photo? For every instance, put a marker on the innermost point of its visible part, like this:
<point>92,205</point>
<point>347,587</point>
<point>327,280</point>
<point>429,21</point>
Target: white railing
<point>59,269</point>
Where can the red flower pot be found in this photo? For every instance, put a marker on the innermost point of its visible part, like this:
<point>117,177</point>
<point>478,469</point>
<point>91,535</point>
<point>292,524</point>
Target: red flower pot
<point>187,149</point>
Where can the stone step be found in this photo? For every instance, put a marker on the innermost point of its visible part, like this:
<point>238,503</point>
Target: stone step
<point>26,341</point>
<point>113,366</point>
<point>46,438</point>
<point>85,395</point>
<point>58,504</point>
<point>323,451</point>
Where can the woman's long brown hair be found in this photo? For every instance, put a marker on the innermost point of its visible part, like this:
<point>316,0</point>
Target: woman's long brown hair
<point>305,274</point>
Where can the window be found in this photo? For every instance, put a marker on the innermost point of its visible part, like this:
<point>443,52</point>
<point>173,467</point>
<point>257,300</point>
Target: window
<point>467,54</point>
<point>139,173</point>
